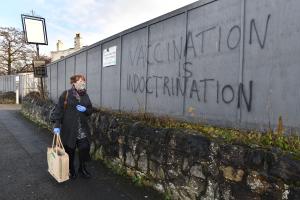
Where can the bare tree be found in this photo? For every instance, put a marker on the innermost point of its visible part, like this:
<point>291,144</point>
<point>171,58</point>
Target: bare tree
<point>14,52</point>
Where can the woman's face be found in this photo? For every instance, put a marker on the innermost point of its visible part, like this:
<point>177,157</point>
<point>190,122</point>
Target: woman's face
<point>80,84</point>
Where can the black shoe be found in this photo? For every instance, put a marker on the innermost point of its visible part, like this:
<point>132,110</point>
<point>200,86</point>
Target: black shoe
<point>83,172</point>
<point>73,175</point>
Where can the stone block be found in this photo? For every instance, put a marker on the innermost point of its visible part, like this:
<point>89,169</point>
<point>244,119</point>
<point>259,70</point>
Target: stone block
<point>257,183</point>
<point>129,160</point>
<point>197,171</point>
<point>156,171</point>
<point>232,155</point>
<point>143,162</point>
<point>232,174</point>
<point>287,169</point>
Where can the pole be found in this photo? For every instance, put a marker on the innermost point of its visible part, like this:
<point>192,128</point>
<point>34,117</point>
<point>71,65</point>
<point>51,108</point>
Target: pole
<point>37,51</point>
<point>41,79</point>
<point>17,81</point>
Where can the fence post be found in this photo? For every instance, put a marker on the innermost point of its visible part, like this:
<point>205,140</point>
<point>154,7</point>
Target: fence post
<point>17,89</point>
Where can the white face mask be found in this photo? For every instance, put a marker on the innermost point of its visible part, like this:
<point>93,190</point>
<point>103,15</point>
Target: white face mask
<point>80,85</point>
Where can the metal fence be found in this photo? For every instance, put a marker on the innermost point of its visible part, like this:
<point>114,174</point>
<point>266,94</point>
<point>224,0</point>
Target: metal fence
<point>27,83</point>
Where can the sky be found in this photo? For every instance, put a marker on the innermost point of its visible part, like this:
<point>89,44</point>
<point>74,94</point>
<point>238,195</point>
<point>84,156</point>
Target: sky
<point>93,19</point>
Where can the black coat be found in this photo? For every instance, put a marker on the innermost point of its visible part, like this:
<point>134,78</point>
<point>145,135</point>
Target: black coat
<point>67,118</point>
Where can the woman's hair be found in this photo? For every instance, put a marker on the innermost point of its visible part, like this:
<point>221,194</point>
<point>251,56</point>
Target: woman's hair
<point>75,78</point>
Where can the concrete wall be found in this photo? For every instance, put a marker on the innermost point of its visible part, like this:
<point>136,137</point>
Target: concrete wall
<point>226,62</point>
<point>94,74</point>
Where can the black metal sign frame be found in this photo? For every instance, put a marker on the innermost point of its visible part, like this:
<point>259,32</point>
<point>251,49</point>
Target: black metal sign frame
<point>24,17</point>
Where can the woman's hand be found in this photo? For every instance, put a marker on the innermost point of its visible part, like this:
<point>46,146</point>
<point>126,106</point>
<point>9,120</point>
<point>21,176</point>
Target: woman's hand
<point>81,108</point>
<point>56,131</point>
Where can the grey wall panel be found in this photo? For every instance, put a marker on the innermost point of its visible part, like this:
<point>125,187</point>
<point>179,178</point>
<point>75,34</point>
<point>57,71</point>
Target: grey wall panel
<point>272,61</point>
<point>111,79</point>
<point>21,85</point>
<point>166,42</point>
<point>14,83</point>
<point>94,74</point>
<point>47,81</point>
<point>12,80</point>
<point>9,88</point>
<point>54,79</point>
<point>70,70</point>
<point>1,84</point>
<point>6,84</point>
<point>61,77</point>
<point>213,61</point>
<point>80,64</point>
<point>134,70</point>
<point>10,83</point>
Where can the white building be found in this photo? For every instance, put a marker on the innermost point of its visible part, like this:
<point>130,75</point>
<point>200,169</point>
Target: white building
<point>61,52</point>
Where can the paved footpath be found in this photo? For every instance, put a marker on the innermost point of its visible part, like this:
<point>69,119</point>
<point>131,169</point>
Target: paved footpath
<point>24,175</point>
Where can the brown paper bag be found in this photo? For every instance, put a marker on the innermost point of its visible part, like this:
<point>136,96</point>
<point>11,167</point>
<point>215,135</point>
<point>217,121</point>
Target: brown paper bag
<point>58,160</point>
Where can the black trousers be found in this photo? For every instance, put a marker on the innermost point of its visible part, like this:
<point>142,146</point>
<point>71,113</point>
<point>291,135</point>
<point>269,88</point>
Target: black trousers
<point>83,147</point>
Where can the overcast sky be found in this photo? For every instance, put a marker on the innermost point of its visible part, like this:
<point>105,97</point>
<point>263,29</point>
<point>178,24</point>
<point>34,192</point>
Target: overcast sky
<point>93,19</point>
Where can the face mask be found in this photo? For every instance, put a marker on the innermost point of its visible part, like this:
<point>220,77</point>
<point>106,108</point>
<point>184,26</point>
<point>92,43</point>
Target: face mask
<point>80,85</point>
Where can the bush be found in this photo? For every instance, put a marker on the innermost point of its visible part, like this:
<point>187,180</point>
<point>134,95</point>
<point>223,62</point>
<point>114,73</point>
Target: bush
<point>33,95</point>
<point>8,98</point>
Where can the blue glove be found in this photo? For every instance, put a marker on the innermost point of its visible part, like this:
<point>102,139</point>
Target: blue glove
<point>81,108</point>
<point>56,131</point>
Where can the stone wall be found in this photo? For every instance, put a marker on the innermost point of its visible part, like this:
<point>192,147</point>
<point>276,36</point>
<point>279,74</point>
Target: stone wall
<point>185,164</point>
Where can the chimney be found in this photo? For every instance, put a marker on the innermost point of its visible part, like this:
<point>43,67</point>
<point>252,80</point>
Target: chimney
<point>77,41</point>
<point>59,45</point>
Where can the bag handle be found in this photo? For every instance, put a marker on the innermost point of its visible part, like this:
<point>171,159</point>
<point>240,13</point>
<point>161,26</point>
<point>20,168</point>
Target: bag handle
<point>56,142</point>
<point>60,142</point>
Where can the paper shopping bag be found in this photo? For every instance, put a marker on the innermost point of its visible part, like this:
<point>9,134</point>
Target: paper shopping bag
<point>58,160</point>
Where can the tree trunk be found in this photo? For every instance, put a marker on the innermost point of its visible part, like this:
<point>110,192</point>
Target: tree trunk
<point>9,60</point>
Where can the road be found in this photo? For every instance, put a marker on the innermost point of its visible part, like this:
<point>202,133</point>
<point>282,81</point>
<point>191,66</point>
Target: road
<point>24,175</point>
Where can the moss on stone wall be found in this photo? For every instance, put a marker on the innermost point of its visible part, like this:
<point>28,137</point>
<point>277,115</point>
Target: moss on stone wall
<point>269,140</point>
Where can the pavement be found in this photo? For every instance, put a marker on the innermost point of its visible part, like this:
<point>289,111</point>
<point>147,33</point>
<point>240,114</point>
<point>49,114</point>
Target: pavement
<point>24,175</point>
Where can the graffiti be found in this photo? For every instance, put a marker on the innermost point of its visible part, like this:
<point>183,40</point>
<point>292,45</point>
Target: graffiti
<point>191,88</point>
<point>229,39</point>
<point>175,49</point>
<point>196,44</point>
<point>253,27</point>
<point>215,39</point>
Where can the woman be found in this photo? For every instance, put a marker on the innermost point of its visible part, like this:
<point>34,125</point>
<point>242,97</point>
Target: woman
<point>71,116</point>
